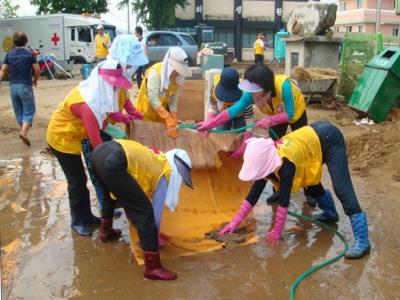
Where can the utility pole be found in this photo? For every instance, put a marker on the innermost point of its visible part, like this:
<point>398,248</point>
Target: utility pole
<point>129,16</point>
<point>237,11</point>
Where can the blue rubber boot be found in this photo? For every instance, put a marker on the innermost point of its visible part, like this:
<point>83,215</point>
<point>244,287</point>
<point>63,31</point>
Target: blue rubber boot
<point>326,204</point>
<point>360,231</point>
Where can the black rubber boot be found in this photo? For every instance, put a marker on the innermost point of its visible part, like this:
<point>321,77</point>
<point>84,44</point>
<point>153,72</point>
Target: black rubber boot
<point>77,223</point>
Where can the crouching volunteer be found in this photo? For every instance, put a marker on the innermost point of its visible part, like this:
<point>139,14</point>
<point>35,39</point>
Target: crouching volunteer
<point>275,96</point>
<point>159,93</point>
<point>296,161</point>
<point>134,174</point>
<point>225,93</point>
<point>81,115</point>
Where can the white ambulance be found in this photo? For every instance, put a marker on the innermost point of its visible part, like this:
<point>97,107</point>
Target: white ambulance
<point>68,37</point>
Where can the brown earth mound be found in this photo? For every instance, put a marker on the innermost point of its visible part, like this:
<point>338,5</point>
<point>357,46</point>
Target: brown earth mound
<point>376,148</point>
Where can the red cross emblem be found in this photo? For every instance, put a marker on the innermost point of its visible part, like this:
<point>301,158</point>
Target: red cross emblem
<point>55,39</point>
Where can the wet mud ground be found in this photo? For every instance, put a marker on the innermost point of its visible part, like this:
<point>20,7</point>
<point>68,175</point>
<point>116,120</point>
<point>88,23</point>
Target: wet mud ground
<point>42,259</point>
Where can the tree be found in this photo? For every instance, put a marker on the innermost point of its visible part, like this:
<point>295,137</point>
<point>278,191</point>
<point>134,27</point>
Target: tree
<point>7,10</point>
<point>70,6</point>
<point>155,14</point>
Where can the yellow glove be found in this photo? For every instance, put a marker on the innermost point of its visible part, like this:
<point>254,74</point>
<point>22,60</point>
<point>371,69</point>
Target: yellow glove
<point>170,121</point>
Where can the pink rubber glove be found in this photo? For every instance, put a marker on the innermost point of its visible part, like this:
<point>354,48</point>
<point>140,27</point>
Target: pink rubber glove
<point>275,234</point>
<point>240,151</point>
<point>219,119</point>
<point>122,118</point>
<point>210,115</point>
<point>243,211</point>
<point>131,110</point>
<point>273,120</point>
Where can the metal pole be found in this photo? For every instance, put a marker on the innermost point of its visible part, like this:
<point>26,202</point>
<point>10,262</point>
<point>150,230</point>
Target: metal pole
<point>129,16</point>
<point>238,9</point>
<point>398,34</point>
<point>378,17</point>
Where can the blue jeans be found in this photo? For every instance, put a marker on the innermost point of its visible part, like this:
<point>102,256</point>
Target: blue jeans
<point>237,122</point>
<point>334,156</point>
<point>23,102</point>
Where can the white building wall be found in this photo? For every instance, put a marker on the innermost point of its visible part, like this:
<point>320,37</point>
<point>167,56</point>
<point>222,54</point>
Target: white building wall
<point>218,9</point>
<point>258,10</point>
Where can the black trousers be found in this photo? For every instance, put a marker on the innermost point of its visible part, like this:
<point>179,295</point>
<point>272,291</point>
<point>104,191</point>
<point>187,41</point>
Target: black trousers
<point>74,171</point>
<point>139,74</point>
<point>281,129</point>
<point>110,166</point>
<point>258,58</point>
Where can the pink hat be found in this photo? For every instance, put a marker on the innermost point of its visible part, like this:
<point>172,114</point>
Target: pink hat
<point>260,159</point>
<point>115,77</point>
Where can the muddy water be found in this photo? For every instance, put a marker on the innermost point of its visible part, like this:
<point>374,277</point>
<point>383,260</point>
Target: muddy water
<point>42,259</point>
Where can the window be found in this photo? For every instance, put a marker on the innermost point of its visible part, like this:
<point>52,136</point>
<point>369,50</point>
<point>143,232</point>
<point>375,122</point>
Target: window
<point>349,28</point>
<point>207,35</point>
<point>72,34</point>
<point>360,28</point>
<point>188,39</point>
<point>170,40</point>
<point>110,32</point>
<point>359,3</point>
<point>294,59</point>
<point>395,31</point>
<point>225,36</point>
<point>154,40</point>
<point>249,36</point>
<point>337,28</point>
<point>344,6</point>
<point>85,34</point>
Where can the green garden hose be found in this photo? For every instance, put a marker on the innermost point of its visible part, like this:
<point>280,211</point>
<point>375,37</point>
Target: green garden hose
<point>230,130</point>
<point>299,216</point>
<point>219,131</point>
<point>323,264</point>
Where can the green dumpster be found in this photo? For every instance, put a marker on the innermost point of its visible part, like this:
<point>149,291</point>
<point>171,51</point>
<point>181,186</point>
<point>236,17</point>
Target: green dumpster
<point>378,88</point>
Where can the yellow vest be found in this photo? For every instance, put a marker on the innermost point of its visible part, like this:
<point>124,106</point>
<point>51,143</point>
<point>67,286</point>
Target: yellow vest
<point>66,131</point>
<point>302,147</point>
<point>277,102</point>
<point>102,51</point>
<point>122,96</point>
<point>145,165</point>
<point>142,102</point>
<point>258,48</point>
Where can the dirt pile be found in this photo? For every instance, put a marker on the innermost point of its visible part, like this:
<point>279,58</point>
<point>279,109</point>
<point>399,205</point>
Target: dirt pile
<point>376,148</point>
<point>304,74</point>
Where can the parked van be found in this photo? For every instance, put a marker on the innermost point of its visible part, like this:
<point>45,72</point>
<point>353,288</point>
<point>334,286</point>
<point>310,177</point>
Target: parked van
<point>68,37</point>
